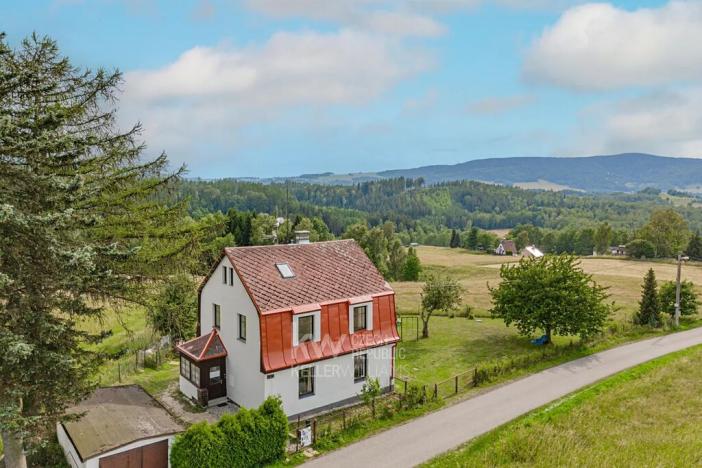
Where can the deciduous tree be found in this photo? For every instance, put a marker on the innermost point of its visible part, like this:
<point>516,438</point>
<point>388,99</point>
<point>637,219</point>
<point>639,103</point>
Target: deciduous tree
<point>667,231</point>
<point>552,294</point>
<point>688,298</point>
<point>439,293</point>
<point>173,311</point>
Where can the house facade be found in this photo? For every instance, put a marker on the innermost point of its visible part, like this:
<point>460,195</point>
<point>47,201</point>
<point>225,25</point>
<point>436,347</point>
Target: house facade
<point>507,247</point>
<point>308,322</point>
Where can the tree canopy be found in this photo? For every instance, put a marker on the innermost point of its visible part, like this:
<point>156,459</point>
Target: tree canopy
<point>552,294</point>
<point>440,293</point>
<point>85,217</point>
<point>688,298</point>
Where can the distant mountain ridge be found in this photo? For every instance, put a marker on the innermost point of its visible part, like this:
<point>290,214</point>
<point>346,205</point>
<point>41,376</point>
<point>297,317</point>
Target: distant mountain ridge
<point>628,172</point>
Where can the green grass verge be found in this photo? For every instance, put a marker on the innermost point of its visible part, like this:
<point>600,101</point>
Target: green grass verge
<point>650,415</point>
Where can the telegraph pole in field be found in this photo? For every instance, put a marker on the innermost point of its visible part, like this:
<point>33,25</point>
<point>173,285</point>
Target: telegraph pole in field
<point>681,259</point>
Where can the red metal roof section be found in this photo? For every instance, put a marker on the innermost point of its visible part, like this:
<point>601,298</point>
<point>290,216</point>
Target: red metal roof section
<point>276,334</point>
<point>323,272</point>
<point>204,348</point>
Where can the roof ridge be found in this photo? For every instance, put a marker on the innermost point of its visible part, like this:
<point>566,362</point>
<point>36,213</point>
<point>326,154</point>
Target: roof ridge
<point>268,246</point>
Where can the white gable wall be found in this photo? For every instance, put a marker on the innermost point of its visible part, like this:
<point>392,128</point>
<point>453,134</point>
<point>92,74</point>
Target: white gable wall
<point>245,381</point>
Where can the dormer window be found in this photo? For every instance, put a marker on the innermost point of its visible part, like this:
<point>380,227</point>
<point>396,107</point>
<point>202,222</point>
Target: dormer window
<point>360,317</point>
<point>285,270</point>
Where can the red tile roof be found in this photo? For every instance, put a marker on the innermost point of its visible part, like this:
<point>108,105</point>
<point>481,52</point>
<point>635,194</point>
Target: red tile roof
<point>204,347</point>
<point>324,271</point>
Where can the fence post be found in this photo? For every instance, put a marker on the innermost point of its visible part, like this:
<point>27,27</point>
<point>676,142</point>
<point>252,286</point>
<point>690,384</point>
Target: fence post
<point>402,329</point>
<point>405,387</point>
<point>343,415</point>
<point>475,376</point>
<point>456,384</point>
<point>119,372</point>
<point>297,435</point>
<point>136,360</point>
<point>416,322</point>
<point>436,391</point>
<point>314,430</point>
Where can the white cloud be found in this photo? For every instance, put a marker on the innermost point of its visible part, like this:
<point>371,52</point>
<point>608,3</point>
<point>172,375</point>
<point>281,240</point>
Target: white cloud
<point>208,93</point>
<point>661,122</point>
<point>500,104</point>
<point>598,46</point>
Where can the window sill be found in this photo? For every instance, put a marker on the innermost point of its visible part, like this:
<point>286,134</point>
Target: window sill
<point>306,395</point>
<point>243,340</point>
<point>359,380</point>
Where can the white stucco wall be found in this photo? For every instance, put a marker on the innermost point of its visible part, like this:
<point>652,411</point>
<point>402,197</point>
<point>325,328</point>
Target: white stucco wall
<point>68,449</point>
<point>334,380</point>
<point>74,459</point>
<point>245,381</point>
<point>187,388</point>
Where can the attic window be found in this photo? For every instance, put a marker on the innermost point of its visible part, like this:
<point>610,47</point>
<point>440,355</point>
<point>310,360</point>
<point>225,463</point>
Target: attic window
<point>285,270</point>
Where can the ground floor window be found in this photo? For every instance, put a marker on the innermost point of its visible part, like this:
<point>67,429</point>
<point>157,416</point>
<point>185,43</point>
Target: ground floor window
<point>190,371</point>
<point>306,381</point>
<point>360,366</point>
<point>185,367</point>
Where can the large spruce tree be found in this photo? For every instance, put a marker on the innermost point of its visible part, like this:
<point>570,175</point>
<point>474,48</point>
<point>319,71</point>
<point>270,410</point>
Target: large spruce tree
<point>83,220</point>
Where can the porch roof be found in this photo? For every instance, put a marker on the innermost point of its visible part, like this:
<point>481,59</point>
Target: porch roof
<point>204,348</point>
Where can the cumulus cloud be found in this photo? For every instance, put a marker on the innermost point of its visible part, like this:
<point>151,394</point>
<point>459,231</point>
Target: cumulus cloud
<point>212,91</point>
<point>598,46</point>
<point>664,122</point>
<point>499,104</point>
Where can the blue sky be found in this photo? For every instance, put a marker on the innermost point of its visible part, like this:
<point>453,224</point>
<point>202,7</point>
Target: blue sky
<point>280,87</point>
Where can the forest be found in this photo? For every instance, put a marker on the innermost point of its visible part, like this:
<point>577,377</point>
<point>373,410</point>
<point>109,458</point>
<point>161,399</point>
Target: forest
<point>427,213</point>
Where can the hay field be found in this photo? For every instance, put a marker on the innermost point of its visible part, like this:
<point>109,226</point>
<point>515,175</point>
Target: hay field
<point>476,271</point>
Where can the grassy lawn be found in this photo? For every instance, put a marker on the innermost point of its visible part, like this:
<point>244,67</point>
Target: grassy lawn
<point>647,416</point>
<point>456,345</point>
<point>129,332</point>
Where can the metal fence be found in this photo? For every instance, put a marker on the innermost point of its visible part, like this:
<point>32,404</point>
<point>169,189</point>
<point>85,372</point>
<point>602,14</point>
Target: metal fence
<point>408,326</point>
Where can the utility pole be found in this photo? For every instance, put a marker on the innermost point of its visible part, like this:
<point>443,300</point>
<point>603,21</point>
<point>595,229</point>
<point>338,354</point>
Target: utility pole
<point>681,259</point>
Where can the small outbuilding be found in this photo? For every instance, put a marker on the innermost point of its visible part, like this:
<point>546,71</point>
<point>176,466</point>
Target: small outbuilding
<point>120,427</point>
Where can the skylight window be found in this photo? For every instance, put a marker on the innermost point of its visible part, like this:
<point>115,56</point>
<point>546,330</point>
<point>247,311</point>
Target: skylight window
<point>285,270</point>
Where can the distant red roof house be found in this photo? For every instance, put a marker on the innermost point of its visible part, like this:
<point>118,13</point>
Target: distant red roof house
<point>507,247</point>
<point>300,304</point>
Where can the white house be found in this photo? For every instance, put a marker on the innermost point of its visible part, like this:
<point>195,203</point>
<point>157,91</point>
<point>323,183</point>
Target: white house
<point>531,251</point>
<point>120,427</point>
<point>309,322</point>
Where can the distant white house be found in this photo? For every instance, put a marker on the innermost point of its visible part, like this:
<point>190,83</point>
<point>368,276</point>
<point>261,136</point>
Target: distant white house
<point>507,247</point>
<point>530,251</point>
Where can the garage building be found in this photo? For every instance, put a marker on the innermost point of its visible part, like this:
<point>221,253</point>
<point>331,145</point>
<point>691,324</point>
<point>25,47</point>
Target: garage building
<point>121,427</point>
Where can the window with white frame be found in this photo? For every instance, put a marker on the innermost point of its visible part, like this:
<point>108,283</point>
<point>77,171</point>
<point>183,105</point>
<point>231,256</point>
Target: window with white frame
<point>360,367</point>
<point>305,328</point>
<point>306,382</point>
<point>360,317</point>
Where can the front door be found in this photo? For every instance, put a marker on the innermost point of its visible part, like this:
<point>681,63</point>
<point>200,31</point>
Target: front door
<point>216,381</point>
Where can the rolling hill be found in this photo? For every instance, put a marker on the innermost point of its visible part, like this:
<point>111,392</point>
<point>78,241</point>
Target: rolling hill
<point>628,172</point>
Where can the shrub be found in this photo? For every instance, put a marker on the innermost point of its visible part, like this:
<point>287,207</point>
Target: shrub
<point>640,248</point>
<point>200,445</point>
<point>250,437</point>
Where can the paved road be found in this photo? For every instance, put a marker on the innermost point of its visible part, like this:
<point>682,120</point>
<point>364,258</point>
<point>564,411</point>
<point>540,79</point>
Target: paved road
<point>423,438</point>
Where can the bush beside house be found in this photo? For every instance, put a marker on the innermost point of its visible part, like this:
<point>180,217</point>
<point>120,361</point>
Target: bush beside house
<point>247,438</point>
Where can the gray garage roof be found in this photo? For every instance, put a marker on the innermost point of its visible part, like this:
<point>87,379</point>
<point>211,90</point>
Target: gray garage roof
<point>117,416</point>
